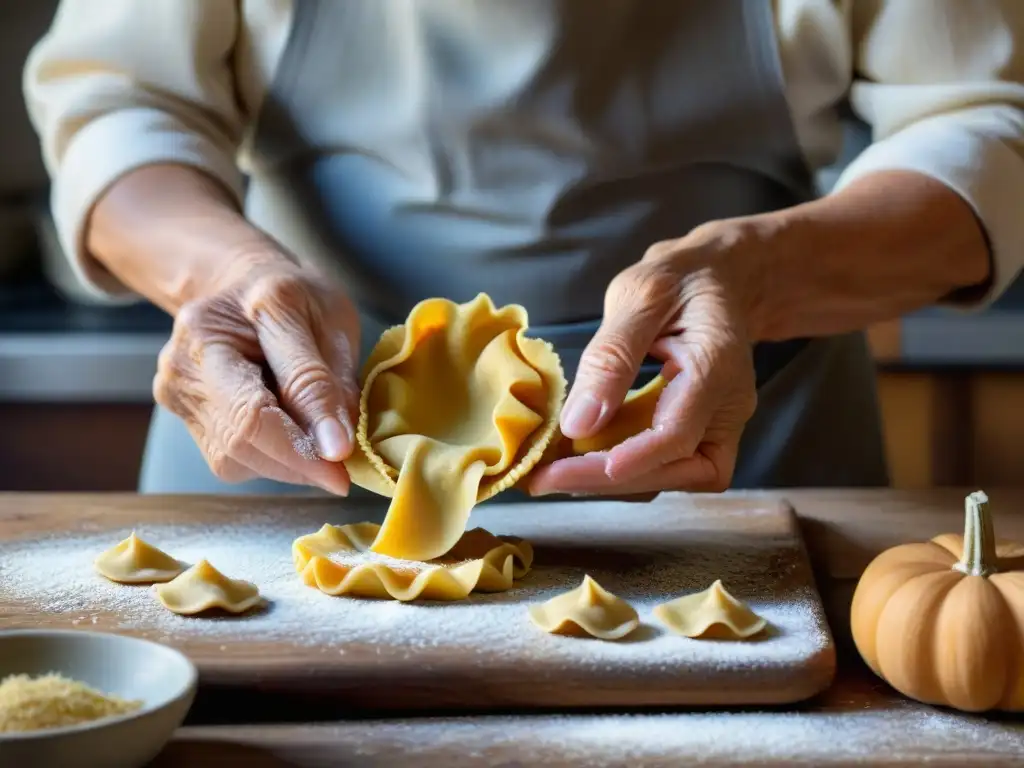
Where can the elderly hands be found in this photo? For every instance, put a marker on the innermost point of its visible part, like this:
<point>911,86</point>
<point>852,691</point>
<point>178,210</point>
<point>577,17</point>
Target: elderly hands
<point>263,372</point>
<point>686,302</point>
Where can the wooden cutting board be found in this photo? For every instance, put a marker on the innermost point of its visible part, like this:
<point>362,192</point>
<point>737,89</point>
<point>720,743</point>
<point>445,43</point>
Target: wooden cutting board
<point>479,653</point>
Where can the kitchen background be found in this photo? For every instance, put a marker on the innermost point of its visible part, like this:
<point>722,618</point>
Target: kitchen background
<point>75,378</point>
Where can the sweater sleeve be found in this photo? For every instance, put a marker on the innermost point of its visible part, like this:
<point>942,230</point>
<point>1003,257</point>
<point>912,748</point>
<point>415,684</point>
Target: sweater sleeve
<point>941,83</point>
<point>118,85</point>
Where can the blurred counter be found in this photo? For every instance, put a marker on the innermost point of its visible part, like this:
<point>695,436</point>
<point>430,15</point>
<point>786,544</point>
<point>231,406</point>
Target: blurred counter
<point>55,351</point>
<point>943,339</point>
<point>52,350</point>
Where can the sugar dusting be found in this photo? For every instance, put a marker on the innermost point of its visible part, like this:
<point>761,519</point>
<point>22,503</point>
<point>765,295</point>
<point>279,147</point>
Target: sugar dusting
<point>55,575</point>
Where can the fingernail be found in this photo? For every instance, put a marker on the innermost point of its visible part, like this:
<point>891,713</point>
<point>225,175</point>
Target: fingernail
<point>350,434</point>
<point>337,483</point>
<point>581,414</point>
<point>332,439</point>
<point>338,490</point>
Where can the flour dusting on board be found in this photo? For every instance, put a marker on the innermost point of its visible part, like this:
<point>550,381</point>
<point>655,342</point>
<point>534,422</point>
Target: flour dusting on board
<point>55,575</point>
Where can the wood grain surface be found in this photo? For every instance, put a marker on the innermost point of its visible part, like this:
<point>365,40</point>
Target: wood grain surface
<point>609,537</point>
<point>859,721</point>
<point>846,529</point>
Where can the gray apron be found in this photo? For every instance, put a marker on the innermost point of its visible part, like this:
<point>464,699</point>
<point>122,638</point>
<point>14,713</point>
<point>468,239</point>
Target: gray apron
<point>532,150</point>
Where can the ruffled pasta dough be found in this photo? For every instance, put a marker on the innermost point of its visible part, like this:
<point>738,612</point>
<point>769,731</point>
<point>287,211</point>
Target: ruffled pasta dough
<point>202,588</point>
<point>457,405</point>
<point>588,609</point>
<point>337,561</point>
<point>133,561</point>
<point>634,416</point>
<point>712,614</point>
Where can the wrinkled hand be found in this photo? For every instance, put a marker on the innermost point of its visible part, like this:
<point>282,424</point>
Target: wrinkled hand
<point>685,303</point>
<point>263,372</point>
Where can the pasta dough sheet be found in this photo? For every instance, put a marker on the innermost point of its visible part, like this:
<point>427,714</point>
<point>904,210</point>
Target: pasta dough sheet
<point>457,405</point>
<point>634,416</point>
<point>589,609</point>
<point>337,560</point>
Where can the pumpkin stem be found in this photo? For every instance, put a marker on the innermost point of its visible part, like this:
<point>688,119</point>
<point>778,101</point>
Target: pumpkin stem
<point>979,557</point>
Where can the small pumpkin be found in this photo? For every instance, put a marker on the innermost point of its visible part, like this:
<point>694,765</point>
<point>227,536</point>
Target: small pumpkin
<point>943,621</point>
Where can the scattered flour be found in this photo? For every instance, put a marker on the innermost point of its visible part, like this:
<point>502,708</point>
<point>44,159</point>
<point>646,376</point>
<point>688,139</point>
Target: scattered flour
<point>55,575</point>
<point>904,735</point>
<point>355,559</point>
<point>303,443</point>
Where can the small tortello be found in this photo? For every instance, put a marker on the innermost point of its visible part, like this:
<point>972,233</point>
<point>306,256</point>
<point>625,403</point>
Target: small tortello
<point>589,609</point>
<point>133,561</point>
<point>202,588</point>
<point>711,614</point>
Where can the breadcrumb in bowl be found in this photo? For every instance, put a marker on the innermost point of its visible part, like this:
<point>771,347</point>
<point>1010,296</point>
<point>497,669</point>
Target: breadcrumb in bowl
<point>89,700</point>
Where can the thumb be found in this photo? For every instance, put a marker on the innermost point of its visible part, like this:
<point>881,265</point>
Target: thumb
<point>311,392</point>
<point>341,350</point>
<point>638,303</point>
<point>311,388</point>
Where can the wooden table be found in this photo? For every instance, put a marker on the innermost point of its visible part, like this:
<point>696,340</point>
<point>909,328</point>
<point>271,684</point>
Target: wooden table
<point>859,721</point>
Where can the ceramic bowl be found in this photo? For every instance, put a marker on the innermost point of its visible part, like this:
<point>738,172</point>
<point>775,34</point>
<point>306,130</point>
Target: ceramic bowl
<point>161,677</point>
